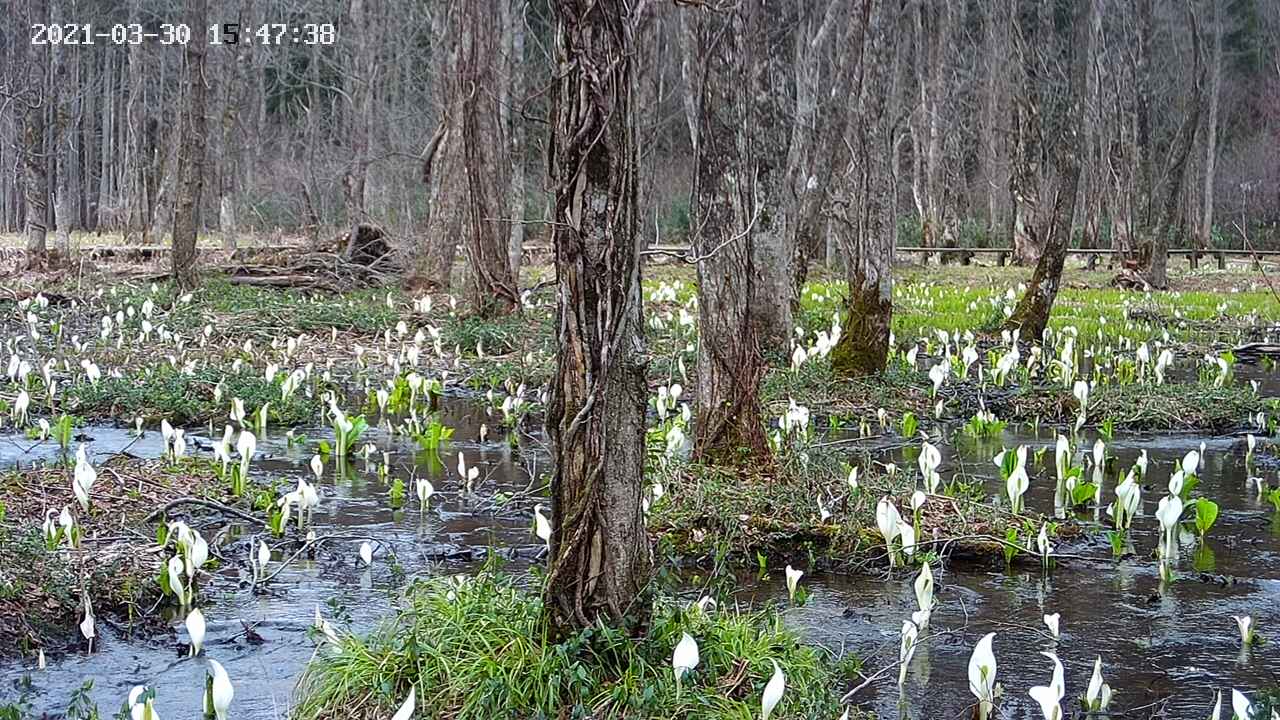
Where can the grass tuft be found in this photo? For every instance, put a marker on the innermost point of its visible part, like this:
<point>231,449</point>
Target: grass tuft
<point>476,649</point>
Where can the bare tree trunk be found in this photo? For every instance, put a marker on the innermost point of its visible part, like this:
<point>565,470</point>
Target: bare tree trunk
<point>517,128</point>
<point>35,161</point>
<point>442,169</point>
<point>107,161</point>
<point>809,162</point>
<point>1157,274</point>
<point>932,30</point>
<point>191,151</point>
<point>862,203</point>
<point>1205,234</point>
<point>488,244</point>
<point>1056,123</point>
<point>725,51</point>
<point>228,154</point>
<point>773,231</point>
<point>61,138</point>
<point>360,80</point>
<point>600,556</point>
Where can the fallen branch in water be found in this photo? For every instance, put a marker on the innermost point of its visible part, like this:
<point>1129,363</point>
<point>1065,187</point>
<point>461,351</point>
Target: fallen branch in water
<point>316,543</point>
<point>211,504</point>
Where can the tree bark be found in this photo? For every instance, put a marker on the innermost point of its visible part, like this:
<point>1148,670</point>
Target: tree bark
<point>774,228</point>
<point>442,168</point>
<point>1157,274</point>
<point>932,30</point>
<point>809,162</point>
<point>1056,123</point>
<point>61,138</point>
<point>517,129</point>
<point>360,81</point>
<point>191,151</point>
<point>487,164</point>
<point>600,556</point>
<point>35,161</point>
<point>1204,235</point>
<point>726,203</point>
<point>861,206</point>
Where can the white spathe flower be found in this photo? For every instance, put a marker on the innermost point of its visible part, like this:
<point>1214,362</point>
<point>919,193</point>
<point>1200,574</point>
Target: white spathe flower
<point>221,693</point>
<point>930,459</point>
<point>195,629</point>
<point>1050,696</point>
<point>924,590</point>
<point>685,657</point>
<point>773,691</point>
<point>907,648</point>
<point>83,479</point>
<point>793,581</point>
<point>907,534</point>
<point>982,675</point>
<point>1053,622</point>
<point>246,445</point>
<point>1240,705</point>
<point>1098,695</point>
<point>1168,513</point>
<point>888,521</point>
<point>1245,625</point>
<point>938,374</point>
<point>1191,462</point>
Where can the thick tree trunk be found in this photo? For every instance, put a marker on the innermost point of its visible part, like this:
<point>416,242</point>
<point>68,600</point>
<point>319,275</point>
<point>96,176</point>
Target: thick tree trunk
<point>493,287</point>
<point>725,203</point>
<point>191,151</point>
<point>861,208</point>
<point>774,227</point>
<point>600,556</point>
<point>442,171</point>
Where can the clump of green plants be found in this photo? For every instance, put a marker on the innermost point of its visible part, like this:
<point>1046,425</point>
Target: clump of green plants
<point>187,398</point>
<point>984,425</point>
<point>476,647</point>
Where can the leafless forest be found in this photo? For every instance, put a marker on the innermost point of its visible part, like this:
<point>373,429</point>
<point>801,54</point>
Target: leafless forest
<point>423,117</point>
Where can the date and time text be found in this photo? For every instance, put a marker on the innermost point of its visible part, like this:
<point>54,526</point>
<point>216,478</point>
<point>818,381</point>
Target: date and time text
<point>181,34</point>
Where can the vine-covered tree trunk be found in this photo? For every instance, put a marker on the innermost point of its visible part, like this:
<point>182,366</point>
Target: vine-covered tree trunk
<point>861,206</point>
<point>190,169</point>
<point>726,200</point>
<point>488,243</point>
<point>600,556</point>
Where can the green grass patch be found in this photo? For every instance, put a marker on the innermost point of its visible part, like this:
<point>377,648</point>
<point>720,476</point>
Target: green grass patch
<point>477,649</point>
<point>162,391</point>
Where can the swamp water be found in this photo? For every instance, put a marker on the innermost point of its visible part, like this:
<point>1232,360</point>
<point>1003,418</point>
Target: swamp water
<point>1179,643</point>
